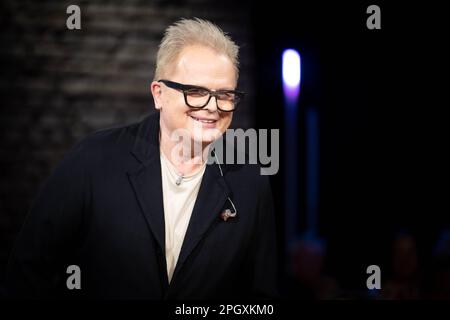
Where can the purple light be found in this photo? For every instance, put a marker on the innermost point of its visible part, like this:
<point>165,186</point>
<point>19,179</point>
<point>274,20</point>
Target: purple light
<point>291,88</point>
<point>291,74</point>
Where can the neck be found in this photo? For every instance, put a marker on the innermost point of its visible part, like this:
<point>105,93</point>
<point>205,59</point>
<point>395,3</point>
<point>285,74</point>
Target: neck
<point>186,156</point>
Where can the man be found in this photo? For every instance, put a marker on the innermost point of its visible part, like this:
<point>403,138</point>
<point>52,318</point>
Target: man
<point>139,214</point>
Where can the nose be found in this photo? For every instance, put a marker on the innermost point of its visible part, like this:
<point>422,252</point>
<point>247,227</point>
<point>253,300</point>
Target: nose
<point>212,104</point>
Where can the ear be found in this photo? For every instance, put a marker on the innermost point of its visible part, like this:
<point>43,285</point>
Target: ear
<point>155,88</point>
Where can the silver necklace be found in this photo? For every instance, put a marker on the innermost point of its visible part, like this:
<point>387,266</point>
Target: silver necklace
<point>179,176</point>
<point>172,170</point>
<point>179,179</point>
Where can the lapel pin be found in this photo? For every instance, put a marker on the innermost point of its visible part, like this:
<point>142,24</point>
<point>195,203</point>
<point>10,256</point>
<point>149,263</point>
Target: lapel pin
<point>227,214</point>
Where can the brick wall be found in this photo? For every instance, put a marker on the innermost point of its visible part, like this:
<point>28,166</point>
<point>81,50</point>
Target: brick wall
<point>58,85</point>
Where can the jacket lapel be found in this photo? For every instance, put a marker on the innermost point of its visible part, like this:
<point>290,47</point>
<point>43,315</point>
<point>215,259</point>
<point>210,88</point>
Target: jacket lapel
<point>146,178</point>
<point>146,183</point>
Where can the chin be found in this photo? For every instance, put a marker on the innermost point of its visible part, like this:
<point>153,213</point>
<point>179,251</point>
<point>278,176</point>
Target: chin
<point>205,137</point>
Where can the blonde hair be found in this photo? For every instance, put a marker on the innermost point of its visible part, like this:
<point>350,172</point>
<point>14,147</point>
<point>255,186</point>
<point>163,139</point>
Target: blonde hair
<point>187,32</point>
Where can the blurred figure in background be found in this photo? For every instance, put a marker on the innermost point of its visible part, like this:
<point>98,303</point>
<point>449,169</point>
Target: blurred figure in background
<point>403,282</point>
<point>307,278</point>
<point>440,272</point>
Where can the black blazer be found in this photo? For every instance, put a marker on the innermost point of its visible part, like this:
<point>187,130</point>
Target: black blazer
<point>102,209</point>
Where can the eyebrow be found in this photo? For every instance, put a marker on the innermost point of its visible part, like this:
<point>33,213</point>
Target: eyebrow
<point>203,87</point>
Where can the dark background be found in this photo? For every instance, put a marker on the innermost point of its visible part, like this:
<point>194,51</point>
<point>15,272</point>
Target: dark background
<point>382,144</point>
<point>379,94</point>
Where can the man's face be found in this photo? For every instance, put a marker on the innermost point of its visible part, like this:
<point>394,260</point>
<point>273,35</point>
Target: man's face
<point>200,66</point>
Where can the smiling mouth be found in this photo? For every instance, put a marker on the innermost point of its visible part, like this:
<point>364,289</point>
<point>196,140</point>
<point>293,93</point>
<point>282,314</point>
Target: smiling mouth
<point>204,120</point>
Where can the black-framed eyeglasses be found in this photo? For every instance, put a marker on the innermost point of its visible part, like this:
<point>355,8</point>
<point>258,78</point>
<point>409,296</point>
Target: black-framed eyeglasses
<point>197,97</point>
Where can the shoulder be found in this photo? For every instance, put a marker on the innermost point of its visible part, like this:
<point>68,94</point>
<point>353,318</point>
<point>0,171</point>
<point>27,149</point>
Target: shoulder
<point>241,166</point>
<point>107,139</point>
<point>249,180</point>
<point>115,140</point>
<point>100,147</point>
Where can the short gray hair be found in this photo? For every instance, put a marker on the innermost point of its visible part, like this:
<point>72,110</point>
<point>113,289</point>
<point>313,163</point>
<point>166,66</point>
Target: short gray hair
<point>186,32</point>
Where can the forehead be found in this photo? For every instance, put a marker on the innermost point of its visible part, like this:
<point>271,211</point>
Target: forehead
<point>203,66</point>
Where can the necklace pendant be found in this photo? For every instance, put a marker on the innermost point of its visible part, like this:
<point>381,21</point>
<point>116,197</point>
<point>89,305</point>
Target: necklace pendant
<point>178,181</point>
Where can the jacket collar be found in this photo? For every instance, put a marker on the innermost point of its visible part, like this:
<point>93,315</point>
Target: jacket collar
<point>147,184</point>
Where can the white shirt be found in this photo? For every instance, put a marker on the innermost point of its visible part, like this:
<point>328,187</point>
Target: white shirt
<point>179,202</point>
